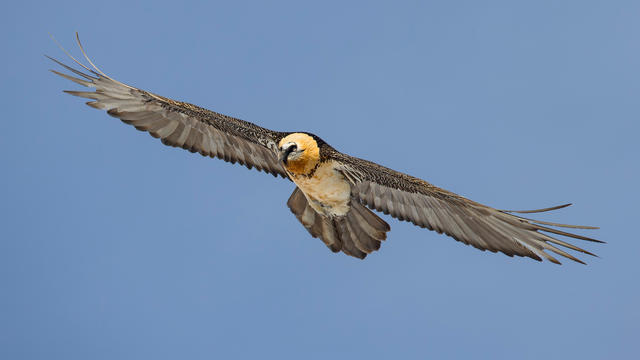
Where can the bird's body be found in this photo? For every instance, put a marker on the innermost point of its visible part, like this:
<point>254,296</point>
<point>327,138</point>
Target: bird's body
<point>334,191</point>
<point>327,190</point>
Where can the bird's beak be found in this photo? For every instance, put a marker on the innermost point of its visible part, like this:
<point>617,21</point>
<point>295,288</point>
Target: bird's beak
<point>285,151</point>
<point>283,155</point>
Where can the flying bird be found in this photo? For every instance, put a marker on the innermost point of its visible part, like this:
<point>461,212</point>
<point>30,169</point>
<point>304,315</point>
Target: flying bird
<point>335,192</point>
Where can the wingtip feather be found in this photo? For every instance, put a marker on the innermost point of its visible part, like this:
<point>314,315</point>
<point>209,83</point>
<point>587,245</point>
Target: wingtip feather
<point>87,57</point>
<point>538,210</point>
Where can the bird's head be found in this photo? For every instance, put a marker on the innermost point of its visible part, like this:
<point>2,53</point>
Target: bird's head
<point>299,153</point>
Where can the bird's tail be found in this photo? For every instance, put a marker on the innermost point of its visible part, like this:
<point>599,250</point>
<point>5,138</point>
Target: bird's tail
<point>357,233</point>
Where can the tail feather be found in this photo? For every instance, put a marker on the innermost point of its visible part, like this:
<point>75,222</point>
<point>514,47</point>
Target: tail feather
<point>357,234</point>
<point>370,222</point>
<point>313,222</point>
<point>362,239</point>
<point>349,240</point>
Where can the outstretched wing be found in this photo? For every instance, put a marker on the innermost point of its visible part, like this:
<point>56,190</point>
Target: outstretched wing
<point>179,124</point>
<point>411,199</point>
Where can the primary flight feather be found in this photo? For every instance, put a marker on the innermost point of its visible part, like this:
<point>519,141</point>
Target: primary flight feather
<point>334,191</point>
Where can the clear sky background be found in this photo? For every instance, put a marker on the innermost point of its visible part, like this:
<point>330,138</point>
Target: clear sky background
<point>114,246</point>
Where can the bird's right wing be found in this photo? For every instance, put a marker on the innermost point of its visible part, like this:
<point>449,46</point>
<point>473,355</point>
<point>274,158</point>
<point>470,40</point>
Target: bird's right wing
<point>408,198</point>
<point>179,124</point>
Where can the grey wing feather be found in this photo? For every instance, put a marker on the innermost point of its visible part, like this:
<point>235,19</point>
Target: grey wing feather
<point>411,199</point>
<point>179,124</point>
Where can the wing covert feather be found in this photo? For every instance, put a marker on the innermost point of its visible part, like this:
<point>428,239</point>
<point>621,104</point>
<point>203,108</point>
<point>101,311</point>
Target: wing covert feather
<point>411,199</point>
<point>177,123</point>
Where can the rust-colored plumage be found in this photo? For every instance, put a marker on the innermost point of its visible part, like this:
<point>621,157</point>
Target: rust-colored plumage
<point>309,153</point>
<point>333,189</point>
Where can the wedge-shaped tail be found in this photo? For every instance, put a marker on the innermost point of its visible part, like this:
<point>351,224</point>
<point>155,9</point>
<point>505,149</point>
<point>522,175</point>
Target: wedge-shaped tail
<point>358,233</point>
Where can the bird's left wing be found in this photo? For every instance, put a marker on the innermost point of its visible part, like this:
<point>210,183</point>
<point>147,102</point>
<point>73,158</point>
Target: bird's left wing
<point>179,124</point>
<point>411,199</point>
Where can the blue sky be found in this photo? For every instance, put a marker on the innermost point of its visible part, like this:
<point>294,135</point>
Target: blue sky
<point>116,247</point>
